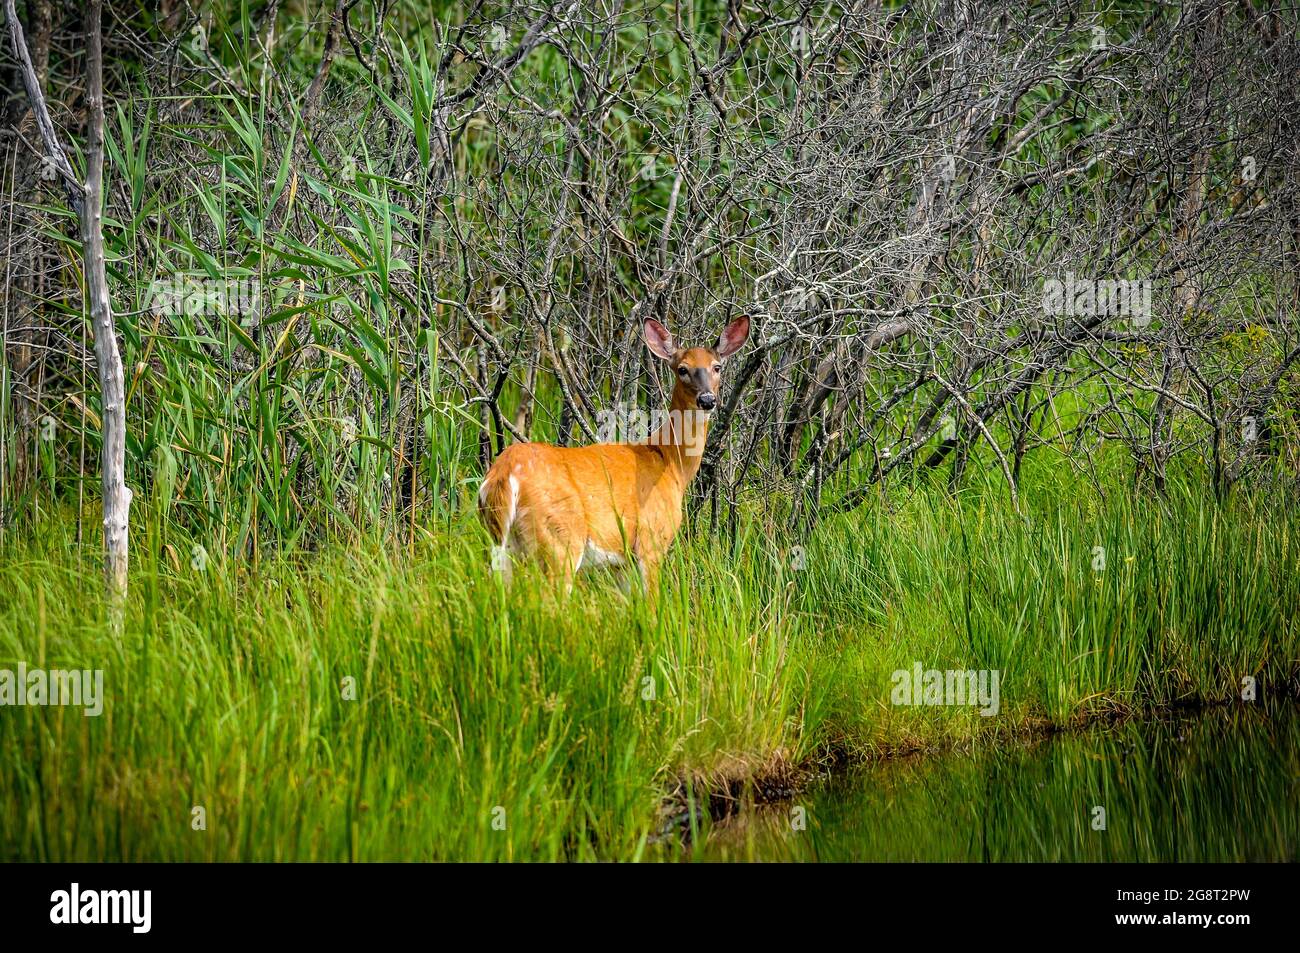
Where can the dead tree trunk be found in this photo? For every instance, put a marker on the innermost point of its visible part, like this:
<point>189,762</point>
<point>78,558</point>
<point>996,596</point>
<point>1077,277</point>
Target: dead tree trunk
<point>87,201</point>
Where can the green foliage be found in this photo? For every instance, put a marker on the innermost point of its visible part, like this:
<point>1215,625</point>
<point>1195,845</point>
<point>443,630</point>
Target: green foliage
<point>227,687</point>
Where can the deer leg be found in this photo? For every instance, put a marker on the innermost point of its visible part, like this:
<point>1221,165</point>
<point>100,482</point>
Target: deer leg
<point>502,564</point>
<point>561,558</point>
<point>648,565</point>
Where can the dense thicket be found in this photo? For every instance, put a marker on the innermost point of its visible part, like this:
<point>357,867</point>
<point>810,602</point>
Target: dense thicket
<point>355,248</point>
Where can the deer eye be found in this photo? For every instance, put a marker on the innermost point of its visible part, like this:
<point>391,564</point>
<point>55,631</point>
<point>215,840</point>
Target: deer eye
<point>681,371</point>
<point>717,368</point>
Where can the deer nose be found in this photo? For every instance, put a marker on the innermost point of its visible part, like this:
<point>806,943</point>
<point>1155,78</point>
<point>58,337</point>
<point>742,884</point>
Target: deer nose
<point>706,401</point>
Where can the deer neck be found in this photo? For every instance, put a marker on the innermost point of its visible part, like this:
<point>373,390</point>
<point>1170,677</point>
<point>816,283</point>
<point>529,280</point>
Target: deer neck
<point>682,436</point>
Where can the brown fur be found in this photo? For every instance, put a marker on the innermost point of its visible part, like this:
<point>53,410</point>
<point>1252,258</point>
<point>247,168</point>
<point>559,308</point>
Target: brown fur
<point>624,499</point>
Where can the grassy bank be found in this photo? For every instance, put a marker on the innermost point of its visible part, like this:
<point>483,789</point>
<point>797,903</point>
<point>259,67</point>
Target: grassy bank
<point>368,702</point>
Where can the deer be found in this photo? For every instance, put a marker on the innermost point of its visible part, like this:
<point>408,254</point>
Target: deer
<point>609,505</point>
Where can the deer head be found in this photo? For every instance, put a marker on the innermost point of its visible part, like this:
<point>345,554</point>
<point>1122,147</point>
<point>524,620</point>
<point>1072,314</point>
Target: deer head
<point>698,370</point>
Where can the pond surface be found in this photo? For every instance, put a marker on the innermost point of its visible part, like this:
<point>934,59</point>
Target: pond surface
<point>1220,785</point>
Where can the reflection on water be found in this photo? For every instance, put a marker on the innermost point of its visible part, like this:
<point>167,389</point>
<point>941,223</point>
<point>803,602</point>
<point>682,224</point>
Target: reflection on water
<point>1222,785</point>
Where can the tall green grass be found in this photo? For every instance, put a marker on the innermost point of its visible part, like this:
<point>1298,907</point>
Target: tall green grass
<point>571,722</point>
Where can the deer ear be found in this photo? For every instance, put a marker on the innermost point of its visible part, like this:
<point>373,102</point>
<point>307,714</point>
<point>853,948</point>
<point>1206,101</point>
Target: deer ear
<point>658,340</point>
<point>733,336</point>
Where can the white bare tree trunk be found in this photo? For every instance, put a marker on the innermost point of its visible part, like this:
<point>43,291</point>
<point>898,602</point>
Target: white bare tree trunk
<point>87,201</point>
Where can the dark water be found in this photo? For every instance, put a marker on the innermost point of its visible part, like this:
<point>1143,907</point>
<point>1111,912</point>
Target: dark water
<point>1222,785</point>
